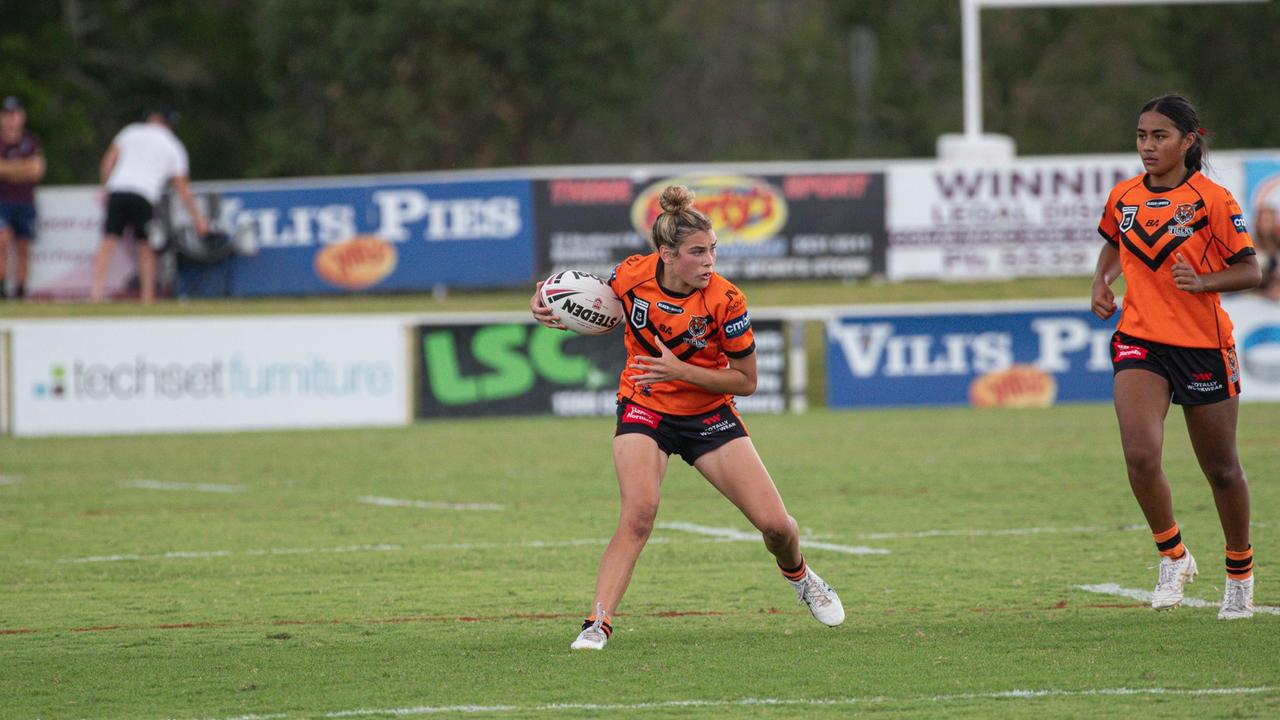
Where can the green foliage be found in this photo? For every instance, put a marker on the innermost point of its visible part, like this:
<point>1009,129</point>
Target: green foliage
<point>300,87</point>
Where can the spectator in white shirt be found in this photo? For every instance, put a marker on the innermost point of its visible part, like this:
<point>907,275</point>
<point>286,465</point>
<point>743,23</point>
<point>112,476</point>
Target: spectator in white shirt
<point>142,159</point>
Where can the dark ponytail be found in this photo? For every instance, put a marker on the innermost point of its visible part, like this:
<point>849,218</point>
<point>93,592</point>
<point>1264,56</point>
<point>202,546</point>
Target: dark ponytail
<point>1183,114</point>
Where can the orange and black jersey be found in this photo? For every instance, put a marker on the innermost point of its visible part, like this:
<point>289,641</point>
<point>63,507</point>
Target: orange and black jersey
<point>1198,219</point>
<point>704,328</point>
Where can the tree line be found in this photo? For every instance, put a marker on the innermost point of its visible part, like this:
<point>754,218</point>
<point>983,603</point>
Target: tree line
<point>271,88</point>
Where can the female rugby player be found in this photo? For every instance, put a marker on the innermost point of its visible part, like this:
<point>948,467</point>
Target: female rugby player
<point>690,349</point>
<point>1179,239</point>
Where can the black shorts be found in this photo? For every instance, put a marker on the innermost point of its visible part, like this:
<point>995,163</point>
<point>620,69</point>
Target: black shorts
<point>689,436</point>
<point>1197,376</point>
<point>20,217</point>
<point>129,210</point>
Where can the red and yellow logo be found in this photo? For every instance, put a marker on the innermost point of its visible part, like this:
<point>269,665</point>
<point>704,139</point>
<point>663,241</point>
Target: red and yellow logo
<point>741,209</point>
<point>357,263</point>
<point>1017,386</point>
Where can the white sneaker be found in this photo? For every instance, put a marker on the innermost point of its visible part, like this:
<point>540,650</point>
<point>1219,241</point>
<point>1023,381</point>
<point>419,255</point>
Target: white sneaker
<point>1237,600</point>
<point>821,598</point>
<point>595,633</point>
<point>1174,575</point>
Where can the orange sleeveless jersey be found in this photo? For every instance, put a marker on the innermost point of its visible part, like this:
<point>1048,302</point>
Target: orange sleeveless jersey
<point>704,328</point>
<point>1199,219</point>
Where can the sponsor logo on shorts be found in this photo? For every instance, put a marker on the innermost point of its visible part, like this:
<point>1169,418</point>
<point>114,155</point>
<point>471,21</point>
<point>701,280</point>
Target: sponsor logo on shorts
<point>716,424</point>
<point>1129,352</point>
<point>670,309</point>
<point>638,415</point>
<point>1233,366</point>
<point>1205,387</point>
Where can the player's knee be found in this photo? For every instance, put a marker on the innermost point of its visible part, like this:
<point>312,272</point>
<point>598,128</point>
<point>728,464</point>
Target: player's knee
<point>637,521</point>
<point>1142,461</point>
<point>778,531</point>
<point>1226,476</point>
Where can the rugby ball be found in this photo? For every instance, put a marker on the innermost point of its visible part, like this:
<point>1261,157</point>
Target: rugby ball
<point>583,302</point>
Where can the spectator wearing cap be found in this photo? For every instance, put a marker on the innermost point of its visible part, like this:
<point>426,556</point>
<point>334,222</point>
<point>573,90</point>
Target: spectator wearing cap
<point>22,167</point>
<point>143,158</point>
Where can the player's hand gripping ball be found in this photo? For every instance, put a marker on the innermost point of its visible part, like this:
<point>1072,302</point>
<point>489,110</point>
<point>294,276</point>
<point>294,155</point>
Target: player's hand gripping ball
<point>584,303</point>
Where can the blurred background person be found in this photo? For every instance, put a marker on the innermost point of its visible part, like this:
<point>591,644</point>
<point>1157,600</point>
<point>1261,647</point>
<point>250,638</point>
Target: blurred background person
<point>1266,234</point>
<point>22,166</point>
<point>143,158</point>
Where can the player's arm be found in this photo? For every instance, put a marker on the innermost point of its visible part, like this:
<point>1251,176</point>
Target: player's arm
<point>1106,272</point>
<point>183,186</point>
<point>23,170</point>
<point>108,164</point>
<point>737,379</point>
<point>1243,274</point>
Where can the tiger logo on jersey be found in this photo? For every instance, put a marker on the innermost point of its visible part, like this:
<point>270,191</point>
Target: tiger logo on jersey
<point>698,331</point>
<point>1183,216</point>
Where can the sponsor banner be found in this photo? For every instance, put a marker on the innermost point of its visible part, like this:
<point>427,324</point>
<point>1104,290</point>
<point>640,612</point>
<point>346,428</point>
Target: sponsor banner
<point>825,225</point>
<point>985,358</point>
<point>377,236</point>
<point>1257,335</point>
<point>1262,183</point>
<point>1023,218</point>
<point>68,233</point>
<point>134,376</point>
<point>525,369</point>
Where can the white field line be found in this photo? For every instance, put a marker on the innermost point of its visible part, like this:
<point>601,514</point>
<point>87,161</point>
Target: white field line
<point>425,504</point>
<point>184,487</point>
<point>740,536</point>
<point>1030,694</point>
<point>1145,596</point>
<point>189,554</point>
<point>386,547</point>
<point>998,532</point>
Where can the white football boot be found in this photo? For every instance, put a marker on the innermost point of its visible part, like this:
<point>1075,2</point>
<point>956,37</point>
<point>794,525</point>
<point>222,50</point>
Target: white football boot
<point>1237,600</point>
<point>1174,576</point>
<point>821,598</point>
<point>594,636</point>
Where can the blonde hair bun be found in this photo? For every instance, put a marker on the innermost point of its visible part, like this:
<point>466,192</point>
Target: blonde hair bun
<point>676,199</point>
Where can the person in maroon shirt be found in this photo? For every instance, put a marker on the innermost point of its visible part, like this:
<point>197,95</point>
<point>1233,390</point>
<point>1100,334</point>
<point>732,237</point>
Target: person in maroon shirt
<point>22,166</point>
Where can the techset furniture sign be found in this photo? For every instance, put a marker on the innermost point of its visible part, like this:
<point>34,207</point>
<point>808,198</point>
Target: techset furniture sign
<point>133,376</point>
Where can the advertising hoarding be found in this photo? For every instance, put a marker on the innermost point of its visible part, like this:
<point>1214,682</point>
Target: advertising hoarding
<point>1257,333</point>
<point>768,227</point>
<point>69,231</point>
<point>191,374</point>
<point>377,236</point>
<point>998,356</point>
<point>1016,219</point>
<point>518,368</point>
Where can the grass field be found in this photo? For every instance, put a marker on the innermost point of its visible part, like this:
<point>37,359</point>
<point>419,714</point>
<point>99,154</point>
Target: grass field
<point>259,575</point>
